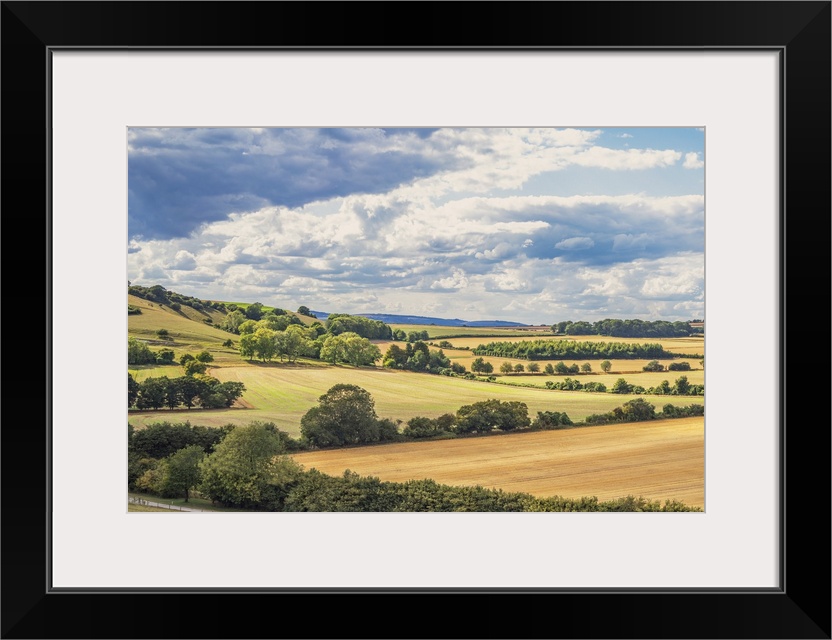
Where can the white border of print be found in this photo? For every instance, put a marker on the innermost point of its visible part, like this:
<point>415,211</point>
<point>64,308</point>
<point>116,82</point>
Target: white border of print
<point>96,96</point>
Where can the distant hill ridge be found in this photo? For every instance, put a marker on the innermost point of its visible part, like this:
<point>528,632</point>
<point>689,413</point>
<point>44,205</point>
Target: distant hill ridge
<point>390,318</point>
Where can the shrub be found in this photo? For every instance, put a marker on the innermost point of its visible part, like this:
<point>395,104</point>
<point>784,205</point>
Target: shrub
<point>678,366</point>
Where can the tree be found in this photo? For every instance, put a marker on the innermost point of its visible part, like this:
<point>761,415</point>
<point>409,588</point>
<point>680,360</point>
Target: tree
<point>194,366</point>
<point>165,356</point>
<point>682,386</point>
<point>533,367</point>
<point>265,346</point>
<point>561,368</point>
<point>345,415</point>
<point>586,368</point>
<point>228,343</point>
<point>188,388</point>
<point>248,346</point>
<point>132,390</point>
<point>653,365</point>
<point>549,368</point>
<point>254,311</point>
<point>152,393</point>
<point>304,311</point>
<point>204,356</point>
<point>185,359</point>
<point>183,472</point>
<point>621,386</point>
<point>606,365</point>
<point>248,468</point>
<point>491,414</point>
<point>506,367</point>
<point>139,353</point>
<point>519,368</point>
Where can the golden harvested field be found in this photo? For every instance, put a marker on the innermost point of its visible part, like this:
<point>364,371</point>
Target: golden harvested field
<point>659,460</point>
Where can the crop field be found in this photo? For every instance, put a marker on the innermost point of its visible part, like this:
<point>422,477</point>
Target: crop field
<point>659,460</point>
<point>283,393</point>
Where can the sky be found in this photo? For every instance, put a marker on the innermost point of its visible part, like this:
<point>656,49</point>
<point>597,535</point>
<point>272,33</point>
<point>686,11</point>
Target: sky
<point>529,225</point>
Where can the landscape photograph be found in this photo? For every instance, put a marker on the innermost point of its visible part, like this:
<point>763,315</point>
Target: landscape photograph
<point>416,319</point>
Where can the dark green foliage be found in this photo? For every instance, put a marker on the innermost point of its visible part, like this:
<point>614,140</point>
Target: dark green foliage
<point>185,359</point>
<point>345,415</point>
<point>204,356</point>
<point>161,439</point>
<point>418,357</point>
<point>304,311</point>
<point>206,391</point>
<point>133,311</point>
<point>254,311</point>
<point>635,410</point>
<point>315,491</point>
<point>132,390</point>
<point>547,420</point>
<point>339,323</point>
<point>164,356</point>
<point>421,427</point>
<point>481,366</point>
<point>678,366</point>
<point>571,350</point>
<point>139,353</point>
<point>194,366</point>
<point>152,393</point>
<point>228,343</point>
<point>654,365</point>
<point>670,411</point>
<point>492,414</point>
<point>625,328</point>
<point>413,336</point>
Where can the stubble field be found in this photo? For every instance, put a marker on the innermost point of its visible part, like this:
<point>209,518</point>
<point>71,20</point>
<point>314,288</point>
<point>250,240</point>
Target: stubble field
<point>659,460</point>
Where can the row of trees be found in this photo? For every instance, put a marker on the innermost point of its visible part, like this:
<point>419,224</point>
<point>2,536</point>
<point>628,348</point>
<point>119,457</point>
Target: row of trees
<point>572,350</point>
<point>157,293</point>
<point>250,468</point>
<point>625,328</point>
<point>190,390</point>
<point>681,387</point>
<point>655,365</point>
<point>638,410</point>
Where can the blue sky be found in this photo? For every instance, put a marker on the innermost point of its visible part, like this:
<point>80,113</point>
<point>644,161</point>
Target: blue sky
<point>532,225</point>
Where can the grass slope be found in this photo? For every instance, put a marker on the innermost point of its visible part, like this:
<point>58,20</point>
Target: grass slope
<point>283,393</point>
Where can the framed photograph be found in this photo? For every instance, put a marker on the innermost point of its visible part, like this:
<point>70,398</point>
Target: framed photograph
<point>132,125</point>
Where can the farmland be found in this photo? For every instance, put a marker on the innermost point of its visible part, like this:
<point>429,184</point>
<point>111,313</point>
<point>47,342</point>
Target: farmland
<point>282,393</point>
<point>662,459</point>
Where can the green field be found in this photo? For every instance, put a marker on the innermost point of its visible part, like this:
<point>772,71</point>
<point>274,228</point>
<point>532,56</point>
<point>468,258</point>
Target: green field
<point>283,393</point>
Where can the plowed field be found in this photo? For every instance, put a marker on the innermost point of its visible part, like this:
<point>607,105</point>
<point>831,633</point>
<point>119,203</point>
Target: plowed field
<point>659,460</point>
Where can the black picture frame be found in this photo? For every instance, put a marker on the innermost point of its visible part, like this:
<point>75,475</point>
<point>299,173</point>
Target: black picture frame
<point>799,31</point>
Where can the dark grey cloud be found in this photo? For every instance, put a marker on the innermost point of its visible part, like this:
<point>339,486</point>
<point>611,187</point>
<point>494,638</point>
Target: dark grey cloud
<point>179,179</point>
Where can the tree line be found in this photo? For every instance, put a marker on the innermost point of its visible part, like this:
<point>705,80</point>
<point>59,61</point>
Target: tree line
<point>681,387</point>
<point>572,350</point>
<point>626,328</point>
<point>196,390</point>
